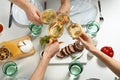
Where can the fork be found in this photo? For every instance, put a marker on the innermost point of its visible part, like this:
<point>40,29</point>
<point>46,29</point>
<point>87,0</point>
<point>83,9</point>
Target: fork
<point>99,6</point>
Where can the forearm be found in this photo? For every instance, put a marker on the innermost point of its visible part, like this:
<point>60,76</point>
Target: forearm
<point>65,2</point>
<point>24,4</point>
<point>40,70</point>
<point>113,64</point>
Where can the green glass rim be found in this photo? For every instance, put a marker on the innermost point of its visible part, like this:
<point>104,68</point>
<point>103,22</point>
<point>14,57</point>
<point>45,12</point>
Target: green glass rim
<point>93,23</point>
<point>77,63</point>
<point>32,25</point>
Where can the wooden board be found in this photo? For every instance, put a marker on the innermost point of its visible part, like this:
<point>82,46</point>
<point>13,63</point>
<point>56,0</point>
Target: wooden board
<point>22,55</point>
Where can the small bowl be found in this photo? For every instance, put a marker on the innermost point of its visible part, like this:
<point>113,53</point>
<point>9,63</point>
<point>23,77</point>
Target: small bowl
<point>1,27</point>
<point>4,54</point>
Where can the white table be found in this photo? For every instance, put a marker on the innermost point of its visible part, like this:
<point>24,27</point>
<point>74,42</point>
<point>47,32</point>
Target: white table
<point>108,35</point>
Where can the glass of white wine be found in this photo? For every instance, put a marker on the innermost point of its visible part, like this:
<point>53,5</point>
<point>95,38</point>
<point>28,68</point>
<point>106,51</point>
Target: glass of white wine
<point>75,30</point>
<point>63,18</point>
<point>56,29</point>
<point>48,16</point>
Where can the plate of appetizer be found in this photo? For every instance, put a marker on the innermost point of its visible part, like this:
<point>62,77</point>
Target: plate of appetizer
<point>16,49</point>
<point>70,49</point>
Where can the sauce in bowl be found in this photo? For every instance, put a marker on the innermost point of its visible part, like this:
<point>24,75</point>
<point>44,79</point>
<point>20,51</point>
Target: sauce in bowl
<point>1,28</point>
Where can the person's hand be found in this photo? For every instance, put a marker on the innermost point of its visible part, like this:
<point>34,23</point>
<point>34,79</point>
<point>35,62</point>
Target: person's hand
<point>51,49</point>
<point>86,41</point>
<point>64,8</point>
<point>33,13</point>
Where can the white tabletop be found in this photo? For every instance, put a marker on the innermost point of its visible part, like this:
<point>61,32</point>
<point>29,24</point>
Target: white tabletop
<point>108,35</point>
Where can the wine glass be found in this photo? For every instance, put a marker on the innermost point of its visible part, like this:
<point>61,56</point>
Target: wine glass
<point>48,16</point>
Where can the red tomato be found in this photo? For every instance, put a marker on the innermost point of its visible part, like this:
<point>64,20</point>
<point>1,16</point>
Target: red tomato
<point>108,51</point>
<point>103,49</point>
<point>111,54</point>
<point>110,48</point>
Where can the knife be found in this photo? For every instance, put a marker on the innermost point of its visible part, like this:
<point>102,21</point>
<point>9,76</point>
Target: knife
<point>45,5</point>
<point>10,16</point>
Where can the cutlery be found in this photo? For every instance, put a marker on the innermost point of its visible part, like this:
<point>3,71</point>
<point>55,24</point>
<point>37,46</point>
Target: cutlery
<point>10,16</point>
<point>93,79</point>
<point>45,5</point>
<point>99,6</point>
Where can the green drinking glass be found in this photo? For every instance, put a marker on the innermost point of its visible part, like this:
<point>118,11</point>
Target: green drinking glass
<point>92,28</point>
<point>10,68</point>
<point>75,69</point>
<point>35,29</point>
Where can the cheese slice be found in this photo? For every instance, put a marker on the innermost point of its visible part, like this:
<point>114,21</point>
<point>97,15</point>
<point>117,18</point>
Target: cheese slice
<point>12,47</point>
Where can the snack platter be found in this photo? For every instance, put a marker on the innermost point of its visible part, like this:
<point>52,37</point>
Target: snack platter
<point>21,55</point>
<point>66,39</point>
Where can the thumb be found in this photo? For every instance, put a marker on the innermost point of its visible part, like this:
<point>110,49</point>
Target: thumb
<point>81,40</point>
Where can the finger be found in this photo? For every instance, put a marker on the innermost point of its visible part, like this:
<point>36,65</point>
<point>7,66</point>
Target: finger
<point>34,20</point>
<point>56,42</point>
<point>84,35</point>
<point>37,19</point>
<point>60,42</point>
<point>58,12</point>
<point>39,14</point>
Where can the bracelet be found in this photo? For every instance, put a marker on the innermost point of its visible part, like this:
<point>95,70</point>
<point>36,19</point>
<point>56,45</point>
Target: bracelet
<point>41,54</point>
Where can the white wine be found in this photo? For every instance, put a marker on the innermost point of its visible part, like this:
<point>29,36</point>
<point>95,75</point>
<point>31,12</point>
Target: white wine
<point>48,16</point>
<point>63,18</point>
<point>75,30</point>
<point>56,29</point>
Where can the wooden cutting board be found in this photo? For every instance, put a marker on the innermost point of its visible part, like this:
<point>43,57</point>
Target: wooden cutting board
<point>22,55</point>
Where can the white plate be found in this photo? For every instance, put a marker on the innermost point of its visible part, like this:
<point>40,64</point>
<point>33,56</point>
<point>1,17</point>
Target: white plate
<point>82,11</point>
<point>66,38</point>
<point>20,16</point>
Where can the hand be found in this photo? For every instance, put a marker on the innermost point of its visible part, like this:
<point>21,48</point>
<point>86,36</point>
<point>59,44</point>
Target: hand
<point>64,8</point>
<point>51,49</point>
<point>33,14</point>
<point>86,41</point>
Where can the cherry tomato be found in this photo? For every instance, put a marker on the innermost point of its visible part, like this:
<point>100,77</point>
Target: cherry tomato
<point>111,54</point>
<point>108,50</point>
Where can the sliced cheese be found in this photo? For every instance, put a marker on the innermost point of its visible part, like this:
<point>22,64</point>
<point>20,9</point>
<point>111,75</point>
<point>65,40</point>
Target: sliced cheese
<point>25,46</point>
<point>13,48</point>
